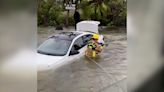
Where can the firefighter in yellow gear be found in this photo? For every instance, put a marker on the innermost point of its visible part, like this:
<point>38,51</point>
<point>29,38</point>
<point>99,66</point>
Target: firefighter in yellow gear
<point>93,46</point>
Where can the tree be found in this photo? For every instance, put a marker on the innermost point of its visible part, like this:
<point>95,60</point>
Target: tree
<point>108,12</point>
<point>44,7</point>
<point>49,13</point>
<point>94,9</point>
<point>117,12</point>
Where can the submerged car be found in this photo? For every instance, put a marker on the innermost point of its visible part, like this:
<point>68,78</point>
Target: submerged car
<point>65,47</point>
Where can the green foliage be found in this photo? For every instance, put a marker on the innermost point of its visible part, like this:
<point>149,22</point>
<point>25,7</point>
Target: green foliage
<point>105,11</point>
<point>110,24</point>
<point>117,12</point>
<point>49,13</point>
<point>71,21</point>
<point>94,9</point>
<point>108,12</point>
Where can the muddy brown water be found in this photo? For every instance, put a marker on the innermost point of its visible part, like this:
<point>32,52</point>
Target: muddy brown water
<point>84,75</point>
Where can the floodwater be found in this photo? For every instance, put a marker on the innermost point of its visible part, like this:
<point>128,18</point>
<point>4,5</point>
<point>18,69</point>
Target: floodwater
<point>84,75</point>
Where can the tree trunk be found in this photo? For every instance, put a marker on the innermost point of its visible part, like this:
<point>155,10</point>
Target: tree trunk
<point>67,18</point>
<point>95,14</point>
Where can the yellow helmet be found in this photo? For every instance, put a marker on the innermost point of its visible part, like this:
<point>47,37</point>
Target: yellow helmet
<point>95,36</point>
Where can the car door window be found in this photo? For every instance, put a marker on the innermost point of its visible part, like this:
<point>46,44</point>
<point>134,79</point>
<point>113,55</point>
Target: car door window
<point>79,43</point>
<point>87,38</point>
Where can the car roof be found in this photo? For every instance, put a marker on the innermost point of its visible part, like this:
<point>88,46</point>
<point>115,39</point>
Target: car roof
<point>66,35</point>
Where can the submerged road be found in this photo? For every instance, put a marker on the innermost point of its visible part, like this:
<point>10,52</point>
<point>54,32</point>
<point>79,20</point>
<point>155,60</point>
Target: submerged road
<point>84,75</point>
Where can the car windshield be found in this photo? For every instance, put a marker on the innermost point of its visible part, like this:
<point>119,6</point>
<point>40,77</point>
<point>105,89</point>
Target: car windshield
<point>55,47</point>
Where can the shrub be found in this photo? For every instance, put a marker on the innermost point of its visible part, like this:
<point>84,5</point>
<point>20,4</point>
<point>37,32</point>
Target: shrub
<point>49,13</point>
<point>109,12</point>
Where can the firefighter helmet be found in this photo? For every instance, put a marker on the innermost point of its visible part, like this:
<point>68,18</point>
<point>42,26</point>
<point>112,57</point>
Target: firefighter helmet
<point>95,36</point>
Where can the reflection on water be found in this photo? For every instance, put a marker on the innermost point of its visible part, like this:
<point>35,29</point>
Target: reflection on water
<point>83,75</point>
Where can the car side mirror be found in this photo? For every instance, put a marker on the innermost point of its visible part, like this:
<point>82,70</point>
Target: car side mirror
<point>74,52</point>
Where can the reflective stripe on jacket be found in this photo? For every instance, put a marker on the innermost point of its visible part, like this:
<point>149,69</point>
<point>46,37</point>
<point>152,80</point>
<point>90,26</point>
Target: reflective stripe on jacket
<point>92,45</point>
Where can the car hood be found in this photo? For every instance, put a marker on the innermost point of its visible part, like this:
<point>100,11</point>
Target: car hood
<point>45,62</point>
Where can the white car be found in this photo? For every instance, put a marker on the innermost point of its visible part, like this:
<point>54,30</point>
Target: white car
<point>62,48</point>
<point>65,47</point>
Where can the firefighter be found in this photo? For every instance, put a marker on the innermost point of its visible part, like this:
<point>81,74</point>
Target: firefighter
<point>93,46</point>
